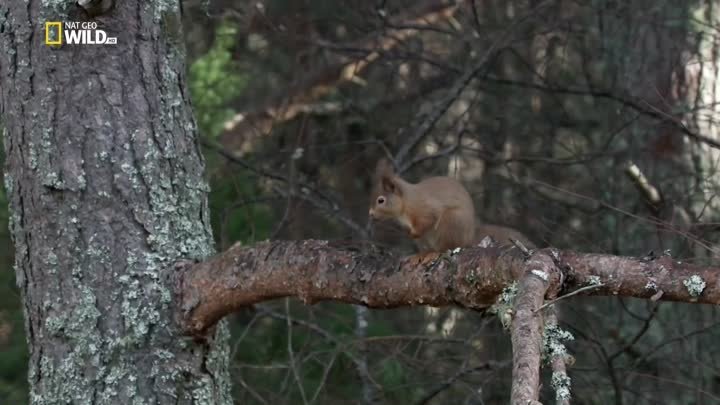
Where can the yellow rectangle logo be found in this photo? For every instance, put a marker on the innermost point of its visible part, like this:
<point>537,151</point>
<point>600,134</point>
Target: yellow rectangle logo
<point>54,39</point>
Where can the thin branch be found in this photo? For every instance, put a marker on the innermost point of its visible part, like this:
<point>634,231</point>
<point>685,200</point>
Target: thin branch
<point>315,328</point>
<point>307,192</point>
<point>640,106</point>
<point>429,121</point>
<point>450,381</point>
<point>291,354</point>
<point>294,100</point>
<point>645,327</point>
<point>568,295</point>
<point>652,195</point>
<point>439,110</point>
<point>361,325</point>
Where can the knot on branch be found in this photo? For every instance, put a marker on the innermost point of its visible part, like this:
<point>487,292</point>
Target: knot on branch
<point>545,264</point>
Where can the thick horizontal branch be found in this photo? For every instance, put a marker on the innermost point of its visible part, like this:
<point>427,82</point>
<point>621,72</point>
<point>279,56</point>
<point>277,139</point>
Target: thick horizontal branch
<point>657,277</point>
<point>315,270</point>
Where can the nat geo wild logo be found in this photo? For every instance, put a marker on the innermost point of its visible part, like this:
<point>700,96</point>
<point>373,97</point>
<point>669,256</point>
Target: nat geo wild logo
<point>76,33</point>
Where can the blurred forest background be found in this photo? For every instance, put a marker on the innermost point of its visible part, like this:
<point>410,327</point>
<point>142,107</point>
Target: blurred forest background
<point>539,107</point>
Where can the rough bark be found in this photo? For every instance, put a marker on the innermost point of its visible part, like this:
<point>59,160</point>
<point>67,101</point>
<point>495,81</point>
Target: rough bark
<point>316,270</point>
<point>527,328</point>
<point>106,192</point>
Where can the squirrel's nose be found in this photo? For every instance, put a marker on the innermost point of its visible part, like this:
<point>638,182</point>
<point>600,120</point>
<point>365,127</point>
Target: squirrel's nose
<point>371,213</point>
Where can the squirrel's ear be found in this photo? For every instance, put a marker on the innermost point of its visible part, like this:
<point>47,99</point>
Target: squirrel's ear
<point>389,185</point>
<point>384,168</point>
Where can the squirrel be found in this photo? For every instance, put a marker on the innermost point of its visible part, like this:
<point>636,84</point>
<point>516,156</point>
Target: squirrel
<point>437,212</point>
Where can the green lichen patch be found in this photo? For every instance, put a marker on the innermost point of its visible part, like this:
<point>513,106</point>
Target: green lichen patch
<point>594,280</point>
<point>560,382</point>
<point>56,8</point>
<point>553,350</point>
<point>695,285</point>
<point>503,306</point>
<point>553,338</point>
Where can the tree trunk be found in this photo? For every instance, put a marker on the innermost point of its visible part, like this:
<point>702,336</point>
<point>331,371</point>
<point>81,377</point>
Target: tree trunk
<point>105,180</point>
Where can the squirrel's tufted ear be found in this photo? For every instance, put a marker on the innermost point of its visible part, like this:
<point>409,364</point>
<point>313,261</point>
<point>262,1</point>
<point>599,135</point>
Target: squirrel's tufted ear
<point>389,185</point>
<point>386,177</point>
<point>384,168</point>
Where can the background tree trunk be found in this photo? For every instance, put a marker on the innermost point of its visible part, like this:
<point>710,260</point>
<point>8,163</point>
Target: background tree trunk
<point>106,188</point>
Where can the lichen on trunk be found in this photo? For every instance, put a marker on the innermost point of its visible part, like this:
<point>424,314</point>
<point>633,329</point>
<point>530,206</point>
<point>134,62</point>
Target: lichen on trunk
<point>106,187</point>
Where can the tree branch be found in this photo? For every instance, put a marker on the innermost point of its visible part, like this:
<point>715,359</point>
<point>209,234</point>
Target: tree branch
<point>527,328</point>
<point>247,126</point>
<point>639,105</point>
<point>560,382</point>
<point>315,270</point>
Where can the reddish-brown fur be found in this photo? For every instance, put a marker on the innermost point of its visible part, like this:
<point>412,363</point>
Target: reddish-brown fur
<point>437,212</point>
<point>501,235</point>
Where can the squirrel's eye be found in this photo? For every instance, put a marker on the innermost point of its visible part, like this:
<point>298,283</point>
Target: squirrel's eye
<point>381,200</point>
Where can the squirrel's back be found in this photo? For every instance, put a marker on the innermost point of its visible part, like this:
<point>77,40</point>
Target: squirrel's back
<point>453,213</point>
<point>446,189</point>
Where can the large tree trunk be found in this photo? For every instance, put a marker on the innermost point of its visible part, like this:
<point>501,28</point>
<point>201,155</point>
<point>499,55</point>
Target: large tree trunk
<point>105,182</point>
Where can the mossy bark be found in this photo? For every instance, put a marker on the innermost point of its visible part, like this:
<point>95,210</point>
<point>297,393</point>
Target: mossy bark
<point>105,180</point>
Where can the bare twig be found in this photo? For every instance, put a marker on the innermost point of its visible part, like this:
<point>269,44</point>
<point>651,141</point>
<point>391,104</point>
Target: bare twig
<point>640,106</point>
<point>291,354</point>
<point>520,246</point>
<point>361,325</point>
<point>439,110</point>
<point>295,100</point>
<point>450,381</point>
<point>454,93</point>
<point>306,192</point>
<point>568,295</point>
<point>651,193</point>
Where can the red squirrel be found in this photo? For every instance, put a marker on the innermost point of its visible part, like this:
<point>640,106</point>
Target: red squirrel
<point>437,212</point>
